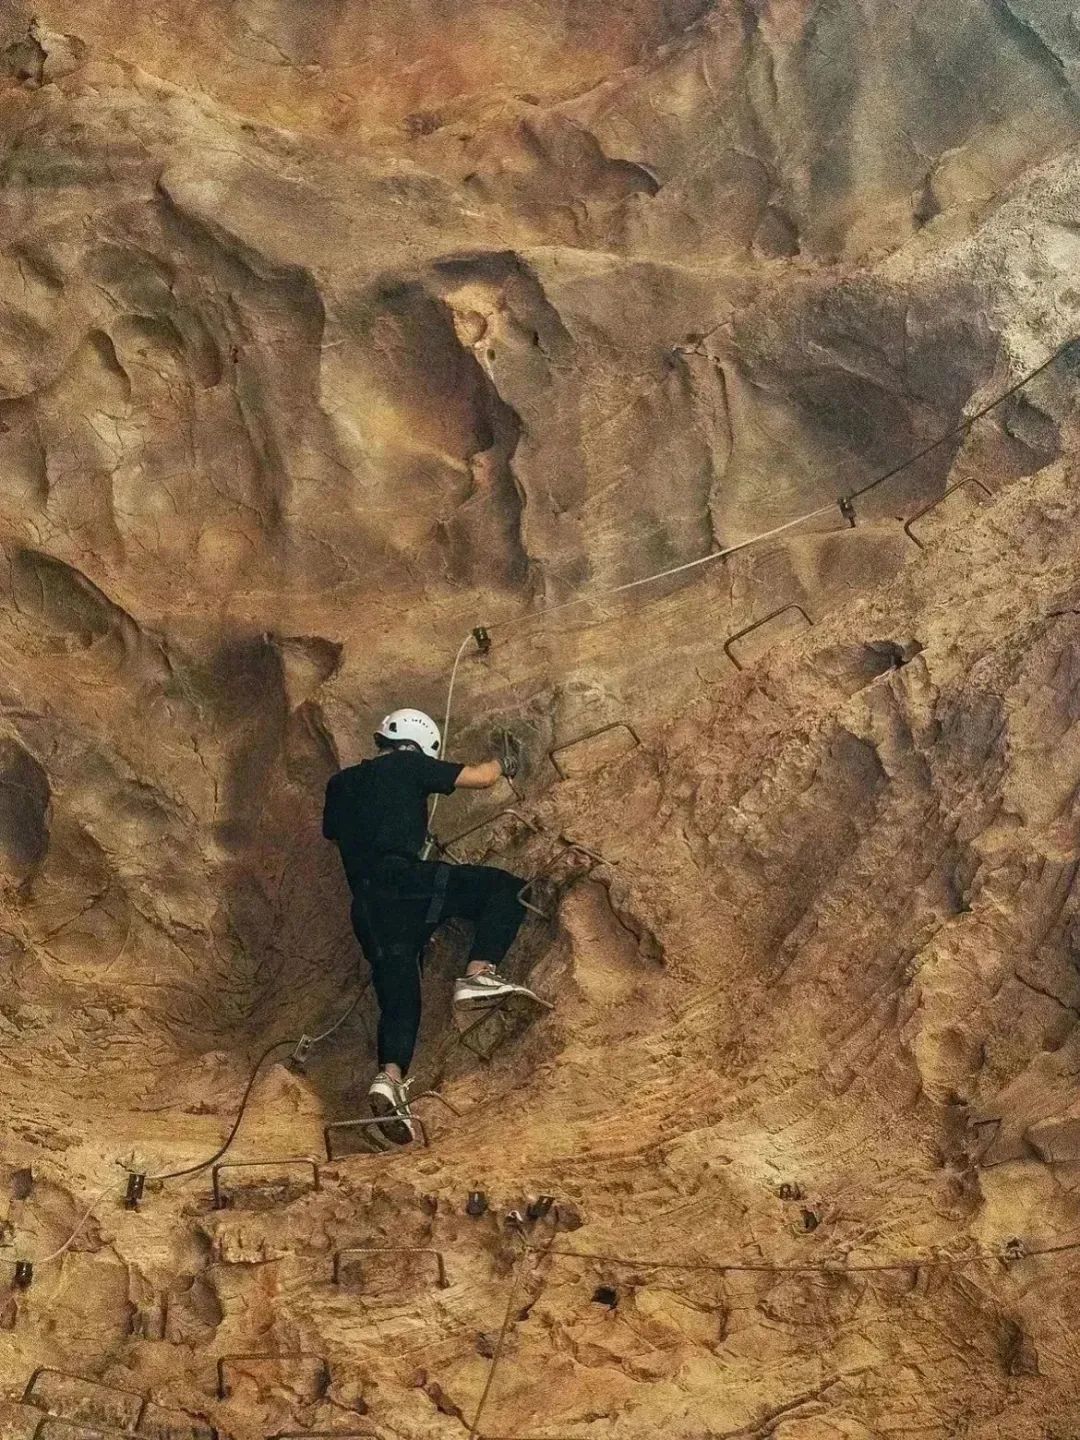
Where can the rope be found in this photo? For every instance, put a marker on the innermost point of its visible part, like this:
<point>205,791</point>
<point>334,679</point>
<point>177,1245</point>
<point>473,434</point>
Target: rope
<point>744,1267</point>
<point>225,1146</point>
<point>85,1217</point>
<point>962,428</point>
<point>446,731</point>
<point>519,1270</point>
<point>220,1151</point>
<point>965,425</point>
<point>336,1026</point>
<point>826,1267</point>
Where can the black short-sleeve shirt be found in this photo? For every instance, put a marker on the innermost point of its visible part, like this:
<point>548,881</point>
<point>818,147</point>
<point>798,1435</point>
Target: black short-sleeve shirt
<point>380,807</point>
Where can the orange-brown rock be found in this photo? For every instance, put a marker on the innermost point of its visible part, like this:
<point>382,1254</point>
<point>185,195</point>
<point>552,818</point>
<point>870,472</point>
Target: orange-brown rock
<point>329,332</point>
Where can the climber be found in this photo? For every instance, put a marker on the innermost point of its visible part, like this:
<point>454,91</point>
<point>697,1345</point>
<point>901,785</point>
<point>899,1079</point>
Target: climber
<point>377,815</point>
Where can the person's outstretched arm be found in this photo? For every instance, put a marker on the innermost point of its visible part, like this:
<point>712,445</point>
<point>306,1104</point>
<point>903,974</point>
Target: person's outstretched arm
<point>479,777</point>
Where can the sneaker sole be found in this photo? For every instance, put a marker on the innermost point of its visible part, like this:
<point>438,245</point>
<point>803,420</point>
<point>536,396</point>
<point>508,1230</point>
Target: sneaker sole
<point>489,1002</point>
<point>399,1131</point>
<point>479,1002</point>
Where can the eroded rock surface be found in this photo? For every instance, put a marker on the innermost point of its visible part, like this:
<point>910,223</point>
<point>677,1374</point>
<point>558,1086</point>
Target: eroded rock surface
<point>329,332</point>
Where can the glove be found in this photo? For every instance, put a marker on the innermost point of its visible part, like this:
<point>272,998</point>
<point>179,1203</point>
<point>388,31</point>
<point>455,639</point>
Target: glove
<point>510,758</point>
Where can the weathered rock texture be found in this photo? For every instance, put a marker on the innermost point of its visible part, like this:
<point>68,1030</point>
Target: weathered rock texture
<point>329,331</point>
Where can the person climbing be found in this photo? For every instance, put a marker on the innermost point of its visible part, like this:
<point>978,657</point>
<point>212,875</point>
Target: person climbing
<point>377,815</point>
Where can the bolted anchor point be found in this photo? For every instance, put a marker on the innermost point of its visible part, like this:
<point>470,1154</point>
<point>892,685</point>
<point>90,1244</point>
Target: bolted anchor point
<point>476,1204</point>
<point>538,1208</point>
<point>297,1061</point>
<point>135,1186</point>
<point>24,1274</point>
<point>482,638</point>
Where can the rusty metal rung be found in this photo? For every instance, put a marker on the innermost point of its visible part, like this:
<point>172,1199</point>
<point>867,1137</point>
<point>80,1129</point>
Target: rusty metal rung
<point>221,1201</point>
<point>748,629</point>
<point>435,1095</point>
<point>592,735</point>
<point>366,1123</point>
<point>568,846</point>
<point>234,1360</point>
<point>346,1250</point>
<point>516,814</point>
<point>28,1397</point>
<point>323,1435</point>
<point>506,1026</point>
<point>50,1424</point>
<point>971,480</point>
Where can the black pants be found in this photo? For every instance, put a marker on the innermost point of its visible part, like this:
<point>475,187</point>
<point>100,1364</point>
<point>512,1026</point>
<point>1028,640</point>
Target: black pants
<point>396,911</point>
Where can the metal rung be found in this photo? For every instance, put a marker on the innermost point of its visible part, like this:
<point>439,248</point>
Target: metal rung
<point>29,1398</point>
<point>592,735</point>
<point>366,1123</point>
<point>263,1359</point>
<point>440,1264</point>
<point>935,503</point>
<point>490,820</point>
<point>507,1029</point>
<point>221,1201</point>
<point>748,629</point>
<point>58,1427</point>
<point>567,847</point>
<point>434,1095</point>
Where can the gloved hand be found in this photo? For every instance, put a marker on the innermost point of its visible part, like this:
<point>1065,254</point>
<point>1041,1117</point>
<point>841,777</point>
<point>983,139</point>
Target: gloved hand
<point>510,753</point>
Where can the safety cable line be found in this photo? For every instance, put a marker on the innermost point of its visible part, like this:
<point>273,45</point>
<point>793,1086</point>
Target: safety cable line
<point>821,1267</point>
<point>222,1149</point>
<point>966,424</point>
<point>716,1267</point>
<point>336,1026</point>
<point>446,729</point>
<point>496,1355</point>
<point>83,1220</point>
<point>960,429</point>
<point>826,1268</point>
<point>963,427</point>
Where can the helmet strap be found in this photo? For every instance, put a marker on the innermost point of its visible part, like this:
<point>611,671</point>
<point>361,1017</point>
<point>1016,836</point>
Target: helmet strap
<point>383,742</point>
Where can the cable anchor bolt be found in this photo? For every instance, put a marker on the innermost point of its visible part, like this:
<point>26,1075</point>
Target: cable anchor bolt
<point>24,1274</point>
<point>136,1184</point>
<point>847,510</point>
<point>298,1059</point>
<point>482,638</point>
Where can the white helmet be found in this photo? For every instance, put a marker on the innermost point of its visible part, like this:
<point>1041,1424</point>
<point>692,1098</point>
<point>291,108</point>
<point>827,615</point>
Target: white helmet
<point>411,725</point>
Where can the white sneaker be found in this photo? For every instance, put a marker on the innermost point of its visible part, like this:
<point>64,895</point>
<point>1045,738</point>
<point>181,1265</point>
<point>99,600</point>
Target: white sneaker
<point>390,1097</point>
<point>481,992</point>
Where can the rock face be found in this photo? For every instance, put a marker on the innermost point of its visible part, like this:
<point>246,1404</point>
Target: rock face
<point>329,332</point>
